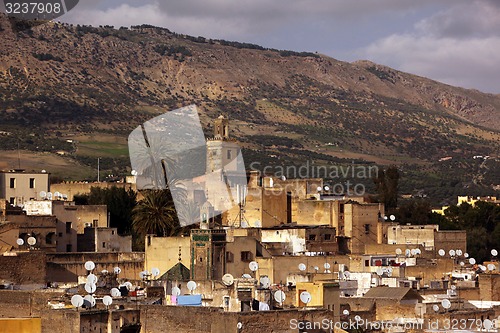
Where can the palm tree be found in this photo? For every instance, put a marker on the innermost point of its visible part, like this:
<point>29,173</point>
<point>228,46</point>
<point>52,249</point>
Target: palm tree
<point>155,214</point>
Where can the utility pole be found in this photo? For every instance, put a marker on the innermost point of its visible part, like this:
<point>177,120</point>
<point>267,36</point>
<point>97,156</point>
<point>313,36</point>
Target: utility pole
<point>98,170</point>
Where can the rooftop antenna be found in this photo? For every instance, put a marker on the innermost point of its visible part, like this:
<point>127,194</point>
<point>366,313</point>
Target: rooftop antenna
<point>305,297</point>
<point>228,279</point>
<point>280,297</point>
<point>191,285</point>
<point>98,170</point>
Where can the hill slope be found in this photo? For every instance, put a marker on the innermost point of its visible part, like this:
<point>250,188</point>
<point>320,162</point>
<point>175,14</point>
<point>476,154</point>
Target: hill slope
<point>93,85</point>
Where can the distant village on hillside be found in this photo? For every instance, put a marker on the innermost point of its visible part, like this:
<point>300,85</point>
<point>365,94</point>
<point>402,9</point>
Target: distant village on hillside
<point>292,256</point>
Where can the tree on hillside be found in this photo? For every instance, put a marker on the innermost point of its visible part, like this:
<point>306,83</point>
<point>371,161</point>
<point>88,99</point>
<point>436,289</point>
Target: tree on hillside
<point>386,183</point>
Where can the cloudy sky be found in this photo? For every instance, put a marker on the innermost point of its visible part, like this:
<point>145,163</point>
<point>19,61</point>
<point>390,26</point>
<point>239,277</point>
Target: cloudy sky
<point>453,41</point>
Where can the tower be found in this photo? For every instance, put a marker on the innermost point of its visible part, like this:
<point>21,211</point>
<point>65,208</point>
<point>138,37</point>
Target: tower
<point>208,249</point>
<point>222,152</point>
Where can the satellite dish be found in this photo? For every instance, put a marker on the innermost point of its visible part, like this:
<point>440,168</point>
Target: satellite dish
<point>90,287</point>
<point>453,287</point>
<point>128,284</point>
<point>345,312</point>
<point>49,195</point>
<point>435,307</point>
<point>441,252</point>
<point>77,301</point>
<point>283,178</point>
<point>265,282</point>
<point>279,296</point>
<point>31,241</point>
<point>327,265</point>
<point>408,252</point>
<point>91,278</point>
<point>327,188</point>
<point>385,217</point>
<point>413,252</point>
<point>115,292</point>
<point>494,253</point>
<point>134,173</point>
<point>253,266</point>
<point>487,324</point>
<point>472,261</point>
<point>143,274</point>
<point>176,291</point>
<point>302,267</point>
<point>452,253</point>
<point>43,194</point>
<point>155,271</point>
<point>57,194</point>
<point>89,265</point>
<point>104,271</point>
<point>191,285</point>
<point>90,299</point>
<point>398,251</point>
<point>44,171</point>
<point>246,276</point>
<point>228,279</point>
<point>491,267</point>
<point>392,217</point>
<point>466,255</point>
<point>319,188</point>
<point>418,251</point>
<point>117,270</point>
<point>483,268</point>
<point>459,252</point>
<point>446,303</point>
<point>380,271</point>
<point>240,325</point>
<point>305,297</point>
<point>389,271</point>
<point>357,318</point>
<point>107,300</point>
<point>347,275</point>
<point>20,242</point>
<point>462,263</point>
<point>316,268</point>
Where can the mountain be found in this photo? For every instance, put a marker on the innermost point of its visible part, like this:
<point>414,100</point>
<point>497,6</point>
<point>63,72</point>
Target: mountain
<point>77,92</point>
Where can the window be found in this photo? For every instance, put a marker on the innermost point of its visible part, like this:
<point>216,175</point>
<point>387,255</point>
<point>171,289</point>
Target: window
<point>328,237</point>
<point>60,234</point>
<point>229,256</point>
<point>12,201</point>
<point>246,256</point>
<point>104,244</point>
<point>341,208</point>
<point>112,232</point>
<point>228,154</point>
<point>32,182</point>
<point>312,237</point>
<point>68,227</point>
<point>69,247</point>
<point>13,183</point>
<point>367,263</point>
<point>367,228</point>
<point>95,222</point>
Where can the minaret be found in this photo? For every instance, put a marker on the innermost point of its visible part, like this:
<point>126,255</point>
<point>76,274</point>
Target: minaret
<point>221,150</point>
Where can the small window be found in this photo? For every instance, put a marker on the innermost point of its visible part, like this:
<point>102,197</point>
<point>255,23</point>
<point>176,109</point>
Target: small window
<point>229,155</point>
<point>367,263</point>
<point>229,256</point>
<point>112,232</point>
<point>312,237</point>
<point>12,201</point>
<point>341,208</point>
<point>69,248</point>
<point>13,183</point>
<point>95,222</point>
<point>60,234</point>
<point>104,244</point>
<point>328,237</point>
<point>68,227</point>
<point>246,256</point>
<point>32,182</point>
<point>367,228</point>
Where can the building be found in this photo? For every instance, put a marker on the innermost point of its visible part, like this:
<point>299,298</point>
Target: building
<point>18,186</point>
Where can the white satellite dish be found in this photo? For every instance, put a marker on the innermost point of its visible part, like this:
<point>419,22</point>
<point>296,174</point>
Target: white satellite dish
<point>462,263</point>
<point>483,268</point>
<point>89,265</point>
<point>176,291</point>
<point>143,274</point>
<point>389,271</point>
<point>302,267</point>
<point>31,241</point>
<point>441,252</point>
<point>435,307</point>
<point>494,253</point>
<point>49,195</point>
<point>134,173</point>
<point>117,270</point>
<point>452,253</point>
<point>327,265</point>
<point>90,287</point>
<point>191,285</point>
<point>327,188</point>
<point>380,271</point>
<point>107,300</point>
<point>253,265</point>
<point>228,279</point>
<point>418,251</point>
<point>316,268</point>
<point>345,312</point>
<point>392,217</point>
<point>466,255</point>
<point>246,276</point>
<point>398,251</point>
<point>57,194</point>
<point>279,296</point>
<point>91,278</point>
<point>104,271</point>
<point>491,267</point>
<point>128,284</point>
<point>155,271</point>
<point>305,297</point>
<point>20,242</point>
<point>77,301</point>
<point>488,324</point>
<point>240,325</point>
<point>115,292</point>
<point>446,303</point>
<point>407,252</point>
<point>453,287</point>
<point>43,194</point>
<point>90,300</point>
<point>319,188</point>
<point>472,261</point>
<point>459,252</point>
<point>413,252</point>
<point>265,282</point>
<point>357,318</point>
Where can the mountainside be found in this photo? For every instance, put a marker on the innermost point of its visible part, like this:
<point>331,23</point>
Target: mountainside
<point>78,91</point>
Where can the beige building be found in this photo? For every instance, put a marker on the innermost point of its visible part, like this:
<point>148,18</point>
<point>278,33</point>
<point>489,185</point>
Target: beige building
<point>17,187</point>
<point>164,252</point>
